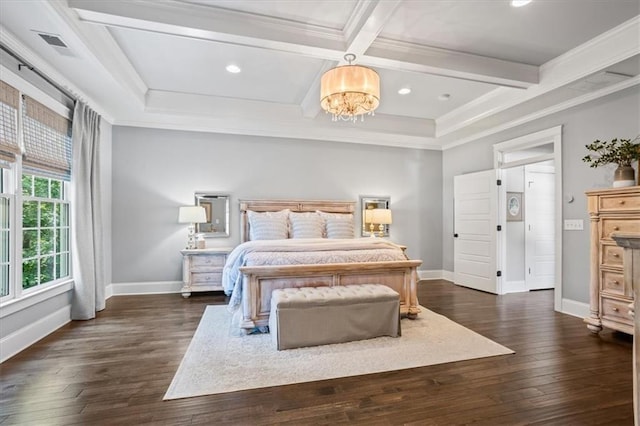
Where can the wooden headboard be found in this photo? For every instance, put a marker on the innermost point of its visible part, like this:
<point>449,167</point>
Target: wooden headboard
<point>293,205</point>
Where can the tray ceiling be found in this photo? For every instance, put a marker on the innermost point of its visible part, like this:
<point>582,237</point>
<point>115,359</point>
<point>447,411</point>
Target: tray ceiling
<point>162,64</point>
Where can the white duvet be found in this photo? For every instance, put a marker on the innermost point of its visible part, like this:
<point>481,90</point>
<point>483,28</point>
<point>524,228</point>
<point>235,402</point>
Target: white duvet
<point>299,252</point>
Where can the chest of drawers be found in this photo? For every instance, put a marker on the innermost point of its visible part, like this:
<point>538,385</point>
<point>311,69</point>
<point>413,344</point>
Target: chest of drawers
<point>615,210</point>
<point>202,269</point>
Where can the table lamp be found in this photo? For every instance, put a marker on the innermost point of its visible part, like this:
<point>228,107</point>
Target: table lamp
<point>382,217</point>
<point>192,215</point>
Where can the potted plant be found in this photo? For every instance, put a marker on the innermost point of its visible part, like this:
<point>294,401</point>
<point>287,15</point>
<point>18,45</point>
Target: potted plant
<point>622,152</point>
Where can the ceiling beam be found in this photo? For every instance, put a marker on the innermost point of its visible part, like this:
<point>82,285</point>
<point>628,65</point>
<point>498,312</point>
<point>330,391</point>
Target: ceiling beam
<point>213,23</point>
<point>404,56</point>
<point>228,26</point>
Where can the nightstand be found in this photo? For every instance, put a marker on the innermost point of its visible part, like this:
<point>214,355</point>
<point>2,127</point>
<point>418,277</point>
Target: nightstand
<point>202,269</point>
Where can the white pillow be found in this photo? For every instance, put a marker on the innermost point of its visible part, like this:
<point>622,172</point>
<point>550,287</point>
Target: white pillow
<point>306,225</point>
<point>268,225</point>
<point>338,225</point>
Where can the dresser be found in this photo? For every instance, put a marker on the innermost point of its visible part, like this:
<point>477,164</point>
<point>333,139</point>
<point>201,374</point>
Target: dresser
<point>202,269</point>
<point>615,210</point>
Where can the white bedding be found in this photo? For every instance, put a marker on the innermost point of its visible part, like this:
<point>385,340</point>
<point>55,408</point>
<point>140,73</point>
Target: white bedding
<point>302,251</point>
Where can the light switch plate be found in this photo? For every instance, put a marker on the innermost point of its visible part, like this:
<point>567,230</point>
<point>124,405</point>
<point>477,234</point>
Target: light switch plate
<point>573,224</point>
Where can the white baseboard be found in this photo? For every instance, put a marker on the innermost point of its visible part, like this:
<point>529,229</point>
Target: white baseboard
<point>108,291</point>
<point>429,275</point>
<point>576,309</point>
<point>514,287</point>
<point>30,334</point>
<point>447,275</point>
<point>147,287</point>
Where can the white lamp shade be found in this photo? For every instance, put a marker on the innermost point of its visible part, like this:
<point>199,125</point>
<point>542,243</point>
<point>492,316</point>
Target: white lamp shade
<point>192,214</point>
<point>381,216</point>
<point>368,215</point>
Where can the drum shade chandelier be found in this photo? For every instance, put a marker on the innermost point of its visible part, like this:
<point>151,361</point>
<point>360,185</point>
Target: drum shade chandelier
<point>350,91</point>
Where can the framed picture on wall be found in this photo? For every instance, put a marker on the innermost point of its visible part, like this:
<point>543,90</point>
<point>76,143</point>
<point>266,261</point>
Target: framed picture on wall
<point>515,206</point>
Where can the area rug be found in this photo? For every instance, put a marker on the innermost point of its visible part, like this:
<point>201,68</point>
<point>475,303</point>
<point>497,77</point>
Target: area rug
<point>221,359</point>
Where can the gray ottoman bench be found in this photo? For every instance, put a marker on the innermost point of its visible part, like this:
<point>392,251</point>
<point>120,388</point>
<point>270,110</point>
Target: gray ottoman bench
<point>309,316</point>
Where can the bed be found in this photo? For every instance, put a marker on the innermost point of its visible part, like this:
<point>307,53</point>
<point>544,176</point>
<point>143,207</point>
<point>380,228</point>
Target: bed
<point>256,267</point>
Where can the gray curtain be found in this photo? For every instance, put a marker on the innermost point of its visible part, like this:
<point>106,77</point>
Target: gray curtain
<point>86,215</point>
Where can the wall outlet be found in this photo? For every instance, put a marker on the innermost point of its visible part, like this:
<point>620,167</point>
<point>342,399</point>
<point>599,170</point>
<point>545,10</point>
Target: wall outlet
<point>573,225</point>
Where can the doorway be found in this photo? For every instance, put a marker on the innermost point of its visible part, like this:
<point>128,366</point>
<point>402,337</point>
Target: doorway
<point>529,231</point>
<point>538,260</point>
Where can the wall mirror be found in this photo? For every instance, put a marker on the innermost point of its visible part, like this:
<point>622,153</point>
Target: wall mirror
<point>371,220</point>
<point>217,208</point>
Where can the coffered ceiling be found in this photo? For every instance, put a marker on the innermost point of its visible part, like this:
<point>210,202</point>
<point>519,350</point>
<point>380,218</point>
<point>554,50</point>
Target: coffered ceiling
<point>162,63</point>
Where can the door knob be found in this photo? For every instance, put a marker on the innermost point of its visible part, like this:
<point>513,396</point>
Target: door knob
<point>455,235</point>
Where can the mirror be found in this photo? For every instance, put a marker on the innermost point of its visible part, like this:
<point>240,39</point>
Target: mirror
<point>217,208</point>
<point>370,203</point>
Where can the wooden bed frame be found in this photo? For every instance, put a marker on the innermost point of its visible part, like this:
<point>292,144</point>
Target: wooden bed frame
<point>259,281</point>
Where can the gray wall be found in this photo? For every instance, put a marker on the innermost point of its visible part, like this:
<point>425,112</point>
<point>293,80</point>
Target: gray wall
<point>613,116</point>
<point>156,171</point>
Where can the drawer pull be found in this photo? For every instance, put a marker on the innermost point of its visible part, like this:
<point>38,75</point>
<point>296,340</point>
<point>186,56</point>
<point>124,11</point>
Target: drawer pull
<point>615,228</point>
<point>614,309</point>
<point>615,282</point>
<point>621,202</point>
<point>615,255</point>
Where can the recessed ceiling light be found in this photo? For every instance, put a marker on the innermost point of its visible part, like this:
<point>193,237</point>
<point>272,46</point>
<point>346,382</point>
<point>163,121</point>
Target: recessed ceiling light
<point>444,97</point>
<point>404,91</point>
<point>520,3</point>
<point>233,69</point>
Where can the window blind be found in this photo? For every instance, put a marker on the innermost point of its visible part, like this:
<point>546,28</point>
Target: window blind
<point>9,102</point>
<point>47,140</point>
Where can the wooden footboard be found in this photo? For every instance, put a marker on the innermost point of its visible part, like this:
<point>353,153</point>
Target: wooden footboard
<point>260,281</point>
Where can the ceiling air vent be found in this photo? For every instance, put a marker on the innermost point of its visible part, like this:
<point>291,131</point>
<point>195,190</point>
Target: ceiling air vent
<point>56,42</point>
<point>53,40</point>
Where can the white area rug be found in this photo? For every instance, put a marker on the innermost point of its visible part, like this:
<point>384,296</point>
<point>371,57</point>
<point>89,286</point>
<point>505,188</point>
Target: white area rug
<point>219,359</point>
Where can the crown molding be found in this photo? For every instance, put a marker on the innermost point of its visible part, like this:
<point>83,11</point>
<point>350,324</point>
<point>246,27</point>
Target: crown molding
<point>623,85</point>
<point>239,127</point>
<point>9,40</point>
<point>605,50</point>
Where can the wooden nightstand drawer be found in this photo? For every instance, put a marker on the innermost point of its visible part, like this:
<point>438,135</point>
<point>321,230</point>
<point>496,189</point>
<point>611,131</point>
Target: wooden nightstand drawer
<point>620,203</point>
<point>207,278</point>
<point>616,310</point>
<point>610,226</point>
<point>613,283</point>
<point>612,255</point>
<point>200,261</point>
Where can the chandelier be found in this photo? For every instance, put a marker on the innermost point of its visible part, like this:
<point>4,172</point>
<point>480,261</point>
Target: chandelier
<point>350,91</point>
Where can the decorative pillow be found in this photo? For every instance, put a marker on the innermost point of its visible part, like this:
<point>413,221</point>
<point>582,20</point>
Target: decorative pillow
<point>338,225</point>
<point>306,225</point>
<point>268,225</point>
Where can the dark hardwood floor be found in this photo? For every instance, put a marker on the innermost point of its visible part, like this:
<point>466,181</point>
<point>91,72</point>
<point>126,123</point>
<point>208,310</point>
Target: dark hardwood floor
<point>114,370</point>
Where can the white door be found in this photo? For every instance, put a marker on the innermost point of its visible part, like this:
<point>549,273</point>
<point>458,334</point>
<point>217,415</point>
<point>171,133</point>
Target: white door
<point>475,240</point>
<point>539,228</point>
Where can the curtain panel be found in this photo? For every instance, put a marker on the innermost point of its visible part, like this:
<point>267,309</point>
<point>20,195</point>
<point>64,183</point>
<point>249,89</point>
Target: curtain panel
<point>88,249</point>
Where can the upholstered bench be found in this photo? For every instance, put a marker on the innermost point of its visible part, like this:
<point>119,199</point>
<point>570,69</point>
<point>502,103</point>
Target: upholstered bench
<point>310,316</point>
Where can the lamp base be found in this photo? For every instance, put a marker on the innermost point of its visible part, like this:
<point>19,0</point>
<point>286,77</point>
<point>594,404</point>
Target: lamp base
<point>191,237</point>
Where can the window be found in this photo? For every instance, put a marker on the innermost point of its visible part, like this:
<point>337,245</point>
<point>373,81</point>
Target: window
<point>35,168</point>
<point>45,230</point>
